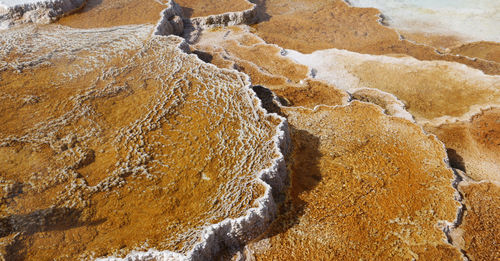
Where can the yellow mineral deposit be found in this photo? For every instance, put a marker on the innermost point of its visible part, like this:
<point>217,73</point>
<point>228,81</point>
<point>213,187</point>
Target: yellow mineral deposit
<point>479,233</point>
<point>363,186</point>
<point>142,149</point>
<point>114,141</point>
<point>108,13</point>
<point>196,8</point>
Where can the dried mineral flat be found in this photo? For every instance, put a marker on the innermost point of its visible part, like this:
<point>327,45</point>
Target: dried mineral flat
<point>196,8</point>
<point>108,13</point>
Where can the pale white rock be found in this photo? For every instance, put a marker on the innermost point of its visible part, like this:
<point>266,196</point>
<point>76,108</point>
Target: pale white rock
<point>469,20</point>
<point>35,11</point>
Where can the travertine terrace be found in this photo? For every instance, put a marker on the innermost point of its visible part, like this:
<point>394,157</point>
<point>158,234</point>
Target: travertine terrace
<point>427,21</point>
<point>363,186</point>
<point>151,174</point>
<point>335,24</point>
<point>236,47</point>
<point>248,130</point>
<point>193,8</point>
<point>420,85</point>
<point>14,12</point>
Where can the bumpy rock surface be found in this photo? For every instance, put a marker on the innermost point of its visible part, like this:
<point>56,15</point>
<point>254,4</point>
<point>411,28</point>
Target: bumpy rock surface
<point>238,48</point>
<point>479,233</point>
<point>363,185</point>
<point>114,141</point>
<point>42,12</point>
<point>433,91</point>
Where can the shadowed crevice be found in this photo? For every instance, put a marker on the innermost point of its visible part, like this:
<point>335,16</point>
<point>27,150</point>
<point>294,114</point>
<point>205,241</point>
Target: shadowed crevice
<point>305,175</point>
<point>456,161</point>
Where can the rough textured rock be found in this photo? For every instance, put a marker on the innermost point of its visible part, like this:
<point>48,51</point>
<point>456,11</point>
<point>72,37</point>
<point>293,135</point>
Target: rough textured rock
<point>363,186</point>
<point>119,141</point>
<point>390,103</point>
<point>238,48</point>
<point>171,20</point>
<point>479,233</point>
<point>43,12</point>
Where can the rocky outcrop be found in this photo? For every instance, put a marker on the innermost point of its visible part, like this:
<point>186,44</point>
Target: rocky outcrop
<point>171,21</point>
<point>226,19</point>
<point>42,12</point>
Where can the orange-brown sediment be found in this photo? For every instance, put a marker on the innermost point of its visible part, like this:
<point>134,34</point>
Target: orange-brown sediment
<point>473,145</point>
<point>108,13</point>
<point>142,149</point>
<point>363,185</point>
<point>479,233</point>
<point>212,7</point>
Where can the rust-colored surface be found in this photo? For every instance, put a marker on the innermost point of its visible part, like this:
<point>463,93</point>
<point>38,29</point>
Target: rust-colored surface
<point>114,140</point>
<point>479,233</point>
<point>196,8</point>
<point>431,90</point>
<point>108,13</point>
<point>363,186</point>
<point>140,149</point>
<point>438,41</point>
<point>483,50</point>
<point>473,145</point>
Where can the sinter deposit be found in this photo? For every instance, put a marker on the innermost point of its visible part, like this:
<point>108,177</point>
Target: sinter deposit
<point>249,130</point>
